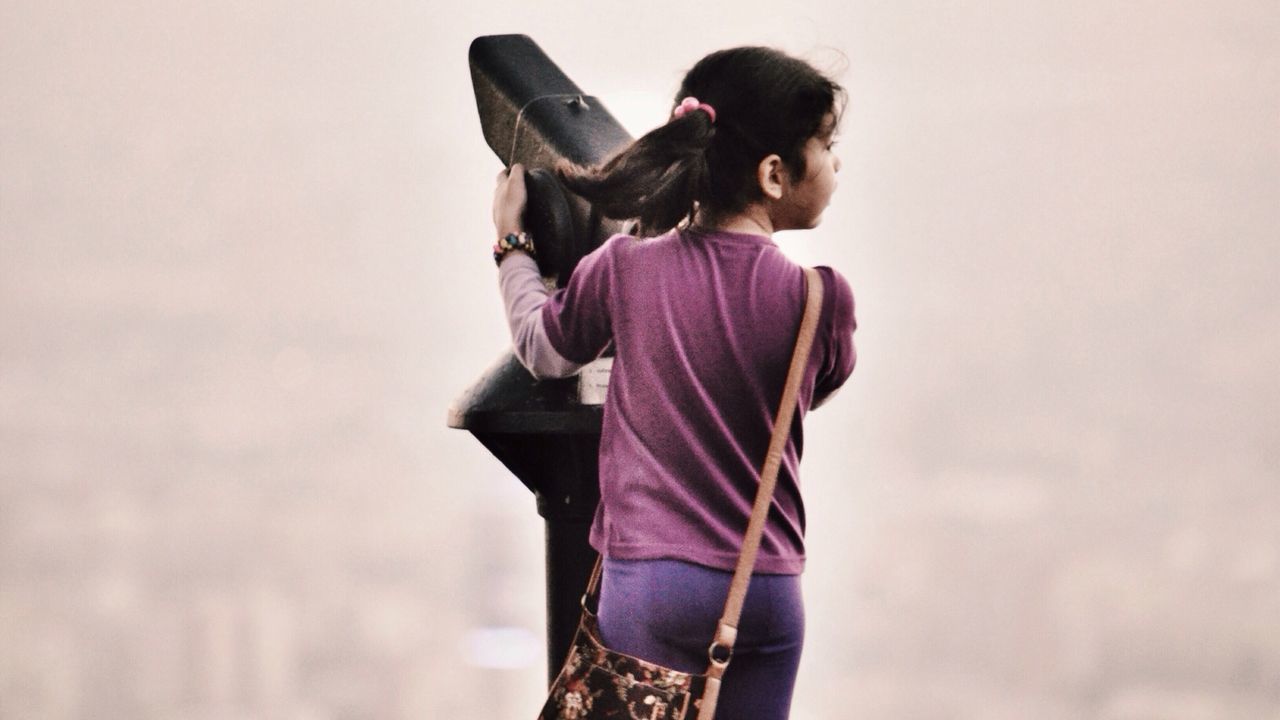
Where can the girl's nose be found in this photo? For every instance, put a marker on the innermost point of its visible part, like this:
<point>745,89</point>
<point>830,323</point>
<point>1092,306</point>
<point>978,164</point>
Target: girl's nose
<point>837,163</point>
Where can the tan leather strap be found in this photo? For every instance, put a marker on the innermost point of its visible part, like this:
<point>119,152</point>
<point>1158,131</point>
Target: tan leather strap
<point>727,631</point>
<point>773,460</point>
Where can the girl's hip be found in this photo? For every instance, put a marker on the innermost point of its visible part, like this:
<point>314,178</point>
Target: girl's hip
<point>667,610</point>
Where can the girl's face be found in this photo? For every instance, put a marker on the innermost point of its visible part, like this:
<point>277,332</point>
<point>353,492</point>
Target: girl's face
<point>808,198</point>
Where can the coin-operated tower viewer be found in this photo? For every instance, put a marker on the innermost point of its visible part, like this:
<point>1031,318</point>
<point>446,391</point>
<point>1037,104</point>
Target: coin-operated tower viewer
<point>546,432</point>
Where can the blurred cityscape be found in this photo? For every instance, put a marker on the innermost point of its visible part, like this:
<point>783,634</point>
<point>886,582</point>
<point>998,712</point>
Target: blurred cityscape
<point>243,273</point>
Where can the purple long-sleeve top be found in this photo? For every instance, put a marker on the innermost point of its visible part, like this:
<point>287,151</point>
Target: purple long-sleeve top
<point>703,324</point>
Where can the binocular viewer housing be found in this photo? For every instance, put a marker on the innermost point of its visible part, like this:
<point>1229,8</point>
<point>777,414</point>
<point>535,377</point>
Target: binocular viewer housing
<point>531,113</point>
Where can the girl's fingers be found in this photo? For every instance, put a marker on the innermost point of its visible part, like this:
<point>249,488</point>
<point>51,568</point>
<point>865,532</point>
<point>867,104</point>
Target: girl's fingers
<point>516,170</point>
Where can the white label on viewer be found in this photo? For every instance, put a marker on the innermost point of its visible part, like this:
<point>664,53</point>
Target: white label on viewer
<point>593,381</point>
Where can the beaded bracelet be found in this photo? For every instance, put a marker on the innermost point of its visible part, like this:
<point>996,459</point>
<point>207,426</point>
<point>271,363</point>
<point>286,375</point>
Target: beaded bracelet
<point>513,241</point>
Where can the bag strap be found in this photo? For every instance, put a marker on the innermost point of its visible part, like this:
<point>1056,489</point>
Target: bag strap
<point>721,649</point>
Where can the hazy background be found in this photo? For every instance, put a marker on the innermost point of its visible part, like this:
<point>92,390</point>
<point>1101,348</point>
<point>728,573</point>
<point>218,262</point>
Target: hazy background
<point>244,269</point>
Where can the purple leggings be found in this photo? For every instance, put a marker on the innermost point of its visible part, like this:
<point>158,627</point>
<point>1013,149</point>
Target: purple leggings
<point>666,611</point>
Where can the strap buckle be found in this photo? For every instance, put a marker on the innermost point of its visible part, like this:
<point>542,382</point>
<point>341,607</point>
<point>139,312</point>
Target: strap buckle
<point>720,660</point>
<point>720,652</point>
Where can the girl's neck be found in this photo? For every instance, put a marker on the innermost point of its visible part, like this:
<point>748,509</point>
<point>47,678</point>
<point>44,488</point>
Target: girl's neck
<point>752,221</point>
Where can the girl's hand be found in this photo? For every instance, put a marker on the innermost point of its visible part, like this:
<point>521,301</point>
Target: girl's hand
<point>509,199</point>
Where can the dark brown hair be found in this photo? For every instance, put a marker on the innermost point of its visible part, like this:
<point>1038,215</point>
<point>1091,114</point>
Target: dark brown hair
<point>765,102</point>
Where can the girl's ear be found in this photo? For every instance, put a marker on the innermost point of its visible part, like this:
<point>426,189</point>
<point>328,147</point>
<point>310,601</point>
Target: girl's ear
<point>772,176</point>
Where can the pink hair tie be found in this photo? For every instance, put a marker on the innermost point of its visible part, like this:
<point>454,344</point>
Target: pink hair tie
<point>691,103</point>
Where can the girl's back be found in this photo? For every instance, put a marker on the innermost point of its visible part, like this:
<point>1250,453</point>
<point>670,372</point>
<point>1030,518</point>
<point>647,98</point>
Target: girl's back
<point>703,324</point>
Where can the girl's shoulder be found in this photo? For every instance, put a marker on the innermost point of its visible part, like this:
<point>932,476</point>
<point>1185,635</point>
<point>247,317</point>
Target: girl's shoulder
<point>614,257</point>
<point>623,248</point>
<point>838,303</point>
<point>834,277</point>
<point>627,242</point>
<point>622,243</point>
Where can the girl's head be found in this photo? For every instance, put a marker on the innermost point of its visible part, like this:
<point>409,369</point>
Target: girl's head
<point>766,103</point>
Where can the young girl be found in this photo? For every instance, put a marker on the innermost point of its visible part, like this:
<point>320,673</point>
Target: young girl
<point>703,314</point>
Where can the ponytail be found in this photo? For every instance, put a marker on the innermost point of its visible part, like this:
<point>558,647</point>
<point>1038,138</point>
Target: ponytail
<point>765,102</point>
<point>658,179</point>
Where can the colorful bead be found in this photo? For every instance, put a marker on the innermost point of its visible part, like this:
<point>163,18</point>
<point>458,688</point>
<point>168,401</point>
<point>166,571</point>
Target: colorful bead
<point>510,242</point>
